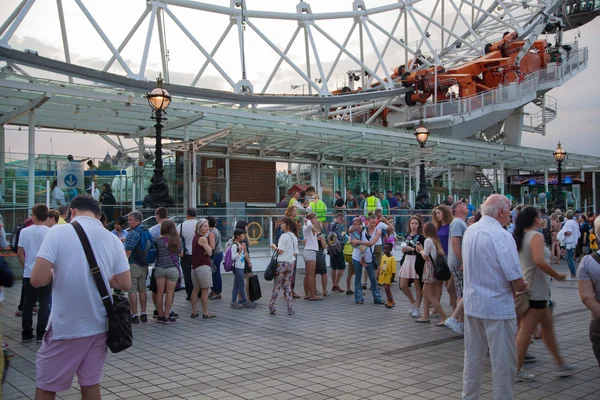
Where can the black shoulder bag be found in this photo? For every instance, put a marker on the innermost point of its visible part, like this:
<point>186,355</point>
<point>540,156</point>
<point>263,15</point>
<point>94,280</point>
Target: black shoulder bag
<point>120,336</point>
<point>375,260</point>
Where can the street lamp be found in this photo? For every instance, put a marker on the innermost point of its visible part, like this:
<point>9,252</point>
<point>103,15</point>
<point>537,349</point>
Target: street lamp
<point>158,191</point>
<point>559,155</point>
<point>422,134</point>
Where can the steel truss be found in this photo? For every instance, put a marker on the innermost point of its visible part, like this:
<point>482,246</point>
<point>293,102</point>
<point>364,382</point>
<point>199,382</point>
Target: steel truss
<point>371,41</point>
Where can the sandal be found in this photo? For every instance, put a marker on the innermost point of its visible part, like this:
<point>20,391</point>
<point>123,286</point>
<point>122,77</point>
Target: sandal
<point>441,324</point>
<point>295,296</point>
<point>209,315</point>
<point>423,321</point>
<point>272,310</point>
<point>317,299</point>
<point>195,315</point>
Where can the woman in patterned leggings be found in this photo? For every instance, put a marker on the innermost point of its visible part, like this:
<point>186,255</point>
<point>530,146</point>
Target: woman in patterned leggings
<point>287,249</point>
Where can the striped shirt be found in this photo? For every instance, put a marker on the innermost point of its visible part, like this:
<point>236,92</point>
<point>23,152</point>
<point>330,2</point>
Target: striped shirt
<point>490,262</point>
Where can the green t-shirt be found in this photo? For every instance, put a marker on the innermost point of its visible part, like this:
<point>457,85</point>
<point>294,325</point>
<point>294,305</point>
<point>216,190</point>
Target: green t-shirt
<point>385,204</point>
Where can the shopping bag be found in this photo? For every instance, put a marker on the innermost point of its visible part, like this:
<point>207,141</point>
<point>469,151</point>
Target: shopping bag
<point>254,288</point>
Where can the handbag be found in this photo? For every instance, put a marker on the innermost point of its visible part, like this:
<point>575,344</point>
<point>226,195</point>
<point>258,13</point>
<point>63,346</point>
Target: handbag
<point>441,271</point>
<point>521,303</point>
<point>348,249</point>
<point>254,288</point>
<point>271,268</point>
<point>321,268</point>
<point>375,259</point>
<point>118,312</point>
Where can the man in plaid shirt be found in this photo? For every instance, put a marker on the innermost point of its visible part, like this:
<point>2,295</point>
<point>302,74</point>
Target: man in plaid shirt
<point>138,268</point>
<point>458,227</point>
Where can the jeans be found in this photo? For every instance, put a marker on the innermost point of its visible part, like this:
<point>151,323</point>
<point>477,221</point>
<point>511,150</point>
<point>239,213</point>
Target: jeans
<point>571,261</point>
<point>31,293</point>
<point>358,291</point>
<point>217,287</point>
<point>186,268</point>
<point>238,286</point>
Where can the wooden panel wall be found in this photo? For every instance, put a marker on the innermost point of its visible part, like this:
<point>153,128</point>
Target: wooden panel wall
<point>252,181</point>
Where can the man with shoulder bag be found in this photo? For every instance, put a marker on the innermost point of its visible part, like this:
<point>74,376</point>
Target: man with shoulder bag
<point>77,337</point>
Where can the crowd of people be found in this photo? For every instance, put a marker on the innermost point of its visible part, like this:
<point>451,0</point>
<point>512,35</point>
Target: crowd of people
<point>498,263</point>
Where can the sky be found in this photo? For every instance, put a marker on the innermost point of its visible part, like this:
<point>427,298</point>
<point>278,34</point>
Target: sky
<point>578,100</point>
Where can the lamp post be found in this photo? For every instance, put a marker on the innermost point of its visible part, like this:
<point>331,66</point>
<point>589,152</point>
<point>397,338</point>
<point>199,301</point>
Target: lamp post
<point>559,155</point>
<point>422,134</point>
<point>158,191</point>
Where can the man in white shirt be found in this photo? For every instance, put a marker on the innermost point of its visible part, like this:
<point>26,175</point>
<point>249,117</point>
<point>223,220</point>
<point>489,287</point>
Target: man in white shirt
<point>571,234</point>
<point>75,342</point>
<point>30,241</point>
<point>187,231</point>
<point>491,273</point>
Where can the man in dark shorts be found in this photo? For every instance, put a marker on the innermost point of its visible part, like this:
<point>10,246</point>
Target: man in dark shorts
<point>337,262</point>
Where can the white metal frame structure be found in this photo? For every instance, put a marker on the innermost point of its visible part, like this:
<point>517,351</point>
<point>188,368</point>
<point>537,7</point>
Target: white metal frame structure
<point>252,117</point>
<point>426,29</point>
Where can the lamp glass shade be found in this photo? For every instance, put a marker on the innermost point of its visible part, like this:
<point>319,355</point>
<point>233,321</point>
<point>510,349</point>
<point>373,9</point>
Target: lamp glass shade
<point>159,99</point>
<point>560,153</point>
<point>422,134</point>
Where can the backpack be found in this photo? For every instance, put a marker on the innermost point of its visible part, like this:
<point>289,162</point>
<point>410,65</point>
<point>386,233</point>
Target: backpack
<point>334,242</point>
<point>228,263</point>
<point>14,239</point>
<point>146,250</point>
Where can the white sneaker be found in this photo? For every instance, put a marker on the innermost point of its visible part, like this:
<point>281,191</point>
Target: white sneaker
<point>523,376</point>
<point>412,308</point>
<point>453,324</point>
<point>416,313</point>
<point>566,370</point>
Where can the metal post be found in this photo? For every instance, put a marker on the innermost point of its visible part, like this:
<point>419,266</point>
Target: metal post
<point>546,188</point>
<point>594,191</point>
<point>502,180</point>
<point>496,180</point>
<point>141,165</point>
<point>2,162</point>
<point>121,186</point>
<point>47,193</point>
<point>31,162</point>
<point>194,179</point>
<point>409,194</point>
<point>14,192</point>
<point>133,195</point>
<point>227,184</point>
<point>186,169</point>
<point>343,189</point>
<point>558,196</point>
<point>449,180</point>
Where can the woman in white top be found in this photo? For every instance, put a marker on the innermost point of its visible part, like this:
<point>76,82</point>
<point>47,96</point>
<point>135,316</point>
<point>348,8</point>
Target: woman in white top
<point>370,236</point>
<point>311,246</point>
<point>287,249</point>
<point>58,196</point>
<point>432,288</point>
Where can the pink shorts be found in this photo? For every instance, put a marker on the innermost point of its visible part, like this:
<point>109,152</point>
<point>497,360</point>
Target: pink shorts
<point>59,360</point>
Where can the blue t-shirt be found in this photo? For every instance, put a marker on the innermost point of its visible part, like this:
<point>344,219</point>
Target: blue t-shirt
<point>444,235</point>
<point>393,202</point>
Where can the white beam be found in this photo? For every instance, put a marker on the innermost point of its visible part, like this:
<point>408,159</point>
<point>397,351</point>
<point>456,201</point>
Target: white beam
<point>31,162</point>
<point>30,105</point>
<point>168,126</point>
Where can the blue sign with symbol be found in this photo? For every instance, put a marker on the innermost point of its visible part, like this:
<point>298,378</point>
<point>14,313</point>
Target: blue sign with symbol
<point>71,180</point>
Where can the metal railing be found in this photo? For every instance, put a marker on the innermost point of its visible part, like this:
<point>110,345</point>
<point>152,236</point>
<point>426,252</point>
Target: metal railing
<point>503,94</point>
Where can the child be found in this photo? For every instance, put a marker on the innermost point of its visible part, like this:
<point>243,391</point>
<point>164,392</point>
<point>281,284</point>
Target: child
<point>388,273</point>
<point>356,232</point>
<point>238,256</point>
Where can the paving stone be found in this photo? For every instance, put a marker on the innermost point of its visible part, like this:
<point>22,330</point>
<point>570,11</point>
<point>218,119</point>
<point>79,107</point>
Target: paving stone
<point>333,349</point>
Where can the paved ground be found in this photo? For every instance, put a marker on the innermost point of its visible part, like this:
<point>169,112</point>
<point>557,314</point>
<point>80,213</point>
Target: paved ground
<point>329,349</point>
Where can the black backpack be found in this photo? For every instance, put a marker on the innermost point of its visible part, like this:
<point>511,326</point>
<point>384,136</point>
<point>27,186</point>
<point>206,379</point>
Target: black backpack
<point>14,239</point>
